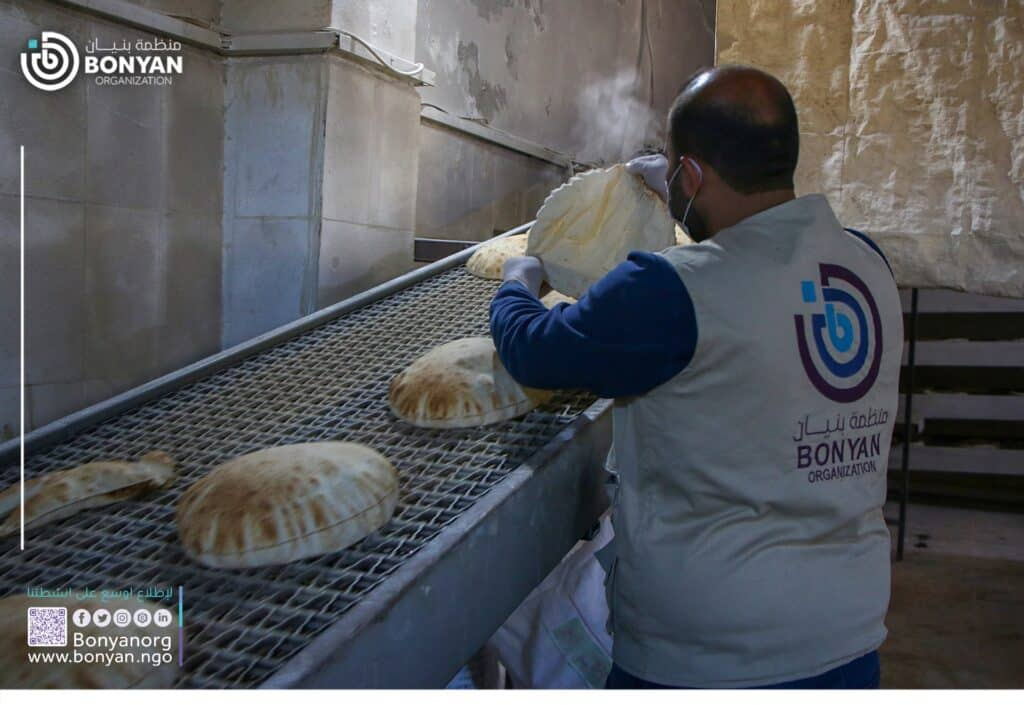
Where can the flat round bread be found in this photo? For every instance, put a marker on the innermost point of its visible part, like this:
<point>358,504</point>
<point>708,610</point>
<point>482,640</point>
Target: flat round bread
<point>143,642</point>
<point>588,225</point>
<point>282,504</point>
<point>489,260</point>
<point>556,297</point>
<point>681,237</point>
<point>58,495</point>
<point>460,384</point>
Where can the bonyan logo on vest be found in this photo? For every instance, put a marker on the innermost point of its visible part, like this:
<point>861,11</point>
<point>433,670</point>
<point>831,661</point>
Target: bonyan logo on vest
<point>836,367</point>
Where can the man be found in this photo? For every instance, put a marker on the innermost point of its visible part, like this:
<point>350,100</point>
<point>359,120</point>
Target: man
<point>755,383</point>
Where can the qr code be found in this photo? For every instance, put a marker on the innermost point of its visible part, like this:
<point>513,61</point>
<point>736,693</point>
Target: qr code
<point>47,626</point>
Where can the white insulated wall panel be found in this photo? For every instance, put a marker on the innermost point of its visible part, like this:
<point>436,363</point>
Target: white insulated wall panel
<point>912,123</point>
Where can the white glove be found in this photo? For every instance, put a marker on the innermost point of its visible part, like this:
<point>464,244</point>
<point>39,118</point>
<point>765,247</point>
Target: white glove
<point>653,169</point>
<point>528,271</point>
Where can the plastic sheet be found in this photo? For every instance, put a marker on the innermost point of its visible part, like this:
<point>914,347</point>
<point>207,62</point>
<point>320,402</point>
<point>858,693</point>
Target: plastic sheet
<point>911,124</point>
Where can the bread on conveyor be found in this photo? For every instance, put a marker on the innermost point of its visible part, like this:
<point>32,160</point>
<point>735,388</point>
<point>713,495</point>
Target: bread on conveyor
<point>590,224</point>
<point>460,384</point>
<point>556,297</point>
<point>121,672</point>
<point>60,494</point>
<point>488,261</point>
<point>282,504</point>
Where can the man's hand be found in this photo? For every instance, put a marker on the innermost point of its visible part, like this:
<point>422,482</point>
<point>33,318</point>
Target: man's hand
<point>653,169</point>
<point>528,271</point>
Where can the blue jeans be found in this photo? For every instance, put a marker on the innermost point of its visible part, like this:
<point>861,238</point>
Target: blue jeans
<point>863,672</point>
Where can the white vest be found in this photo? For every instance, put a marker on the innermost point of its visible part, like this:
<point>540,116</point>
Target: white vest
<point>751,547</point>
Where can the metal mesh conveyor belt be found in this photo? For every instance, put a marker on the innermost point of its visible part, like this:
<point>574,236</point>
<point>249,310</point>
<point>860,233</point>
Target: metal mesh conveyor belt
<point>328,383</point>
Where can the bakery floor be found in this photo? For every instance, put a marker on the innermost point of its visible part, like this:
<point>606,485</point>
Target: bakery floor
<point>956,617</point>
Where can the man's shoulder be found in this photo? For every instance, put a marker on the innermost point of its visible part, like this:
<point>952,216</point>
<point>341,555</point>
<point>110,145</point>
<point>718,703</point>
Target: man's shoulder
<point>693,257</point>
<point>866,242</point>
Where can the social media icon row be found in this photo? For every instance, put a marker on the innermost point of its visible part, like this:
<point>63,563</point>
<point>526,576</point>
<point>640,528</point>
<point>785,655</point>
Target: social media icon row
<point>122,617</point>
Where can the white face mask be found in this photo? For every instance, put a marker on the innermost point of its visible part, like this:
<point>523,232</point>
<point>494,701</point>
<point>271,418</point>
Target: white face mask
<point>668,186</point>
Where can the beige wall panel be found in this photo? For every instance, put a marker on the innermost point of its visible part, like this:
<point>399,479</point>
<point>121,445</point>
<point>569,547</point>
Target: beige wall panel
<point>910,117</point>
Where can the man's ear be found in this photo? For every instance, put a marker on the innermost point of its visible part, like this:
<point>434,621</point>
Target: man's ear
<point>692,176</point>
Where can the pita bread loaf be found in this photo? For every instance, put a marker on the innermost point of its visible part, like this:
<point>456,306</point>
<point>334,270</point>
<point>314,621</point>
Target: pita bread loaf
<point>588,225</point>
<point>460,384</point>
<point>489,260</point>
<point>282,504</point>
<point>556,297</point>
<point>58,495</point>
<point>17,672</point>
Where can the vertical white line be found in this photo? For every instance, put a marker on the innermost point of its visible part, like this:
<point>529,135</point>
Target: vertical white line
<point>21,344</point>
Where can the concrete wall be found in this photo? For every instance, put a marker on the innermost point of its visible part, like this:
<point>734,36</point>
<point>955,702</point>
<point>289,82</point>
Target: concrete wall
<point>470,189</point>
<point>573,79</point>
<point>274,15</point>
<point>320,184</point>
<point>123,207</point>
<point>202,12</point>
<point>273,163</point>
<point>320,167</point>
<point>388,24</point>
<point>369,180</point>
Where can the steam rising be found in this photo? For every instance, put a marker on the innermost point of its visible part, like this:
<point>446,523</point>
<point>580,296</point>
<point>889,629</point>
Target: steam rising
<point>613,121</point>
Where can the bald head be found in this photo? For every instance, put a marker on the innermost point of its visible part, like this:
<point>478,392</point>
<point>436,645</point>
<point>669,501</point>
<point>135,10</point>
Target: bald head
<point>742,122</point>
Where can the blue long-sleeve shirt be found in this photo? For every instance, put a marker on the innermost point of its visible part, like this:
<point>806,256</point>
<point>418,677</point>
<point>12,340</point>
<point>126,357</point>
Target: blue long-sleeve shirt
<point>633,330</point>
